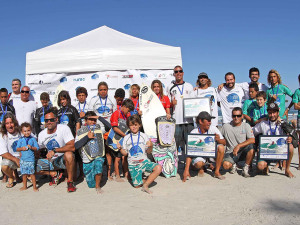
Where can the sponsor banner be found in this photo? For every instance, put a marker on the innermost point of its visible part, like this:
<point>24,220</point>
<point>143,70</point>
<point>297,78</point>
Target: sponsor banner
<point>40,83</point>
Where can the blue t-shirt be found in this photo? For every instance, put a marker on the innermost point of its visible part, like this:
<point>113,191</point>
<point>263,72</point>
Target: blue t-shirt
<point>28,155</point>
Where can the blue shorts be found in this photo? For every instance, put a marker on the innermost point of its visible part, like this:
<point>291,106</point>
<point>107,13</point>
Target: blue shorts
<point>27,167</point>
<point>91,169</point>
<point>46,165</point>
<point>136,171</point>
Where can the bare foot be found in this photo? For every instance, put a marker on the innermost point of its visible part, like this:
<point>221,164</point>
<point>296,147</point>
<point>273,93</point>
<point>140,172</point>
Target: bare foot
<point>35,189</point>
<point>4,179</point>
<point>201,173</point>
<point>119,179</point>
<point>219,176</point>
<point>146,189</point>
<point>23,188</point>
<point>289,174</point>
<point>110,178</point>
<point>99,190</point>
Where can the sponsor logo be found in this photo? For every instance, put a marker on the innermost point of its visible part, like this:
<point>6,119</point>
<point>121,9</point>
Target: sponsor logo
<point>144,90</point>
<point>95,89</point>
<point>143,75</point>
<point>79,79</point>
<point>111,76</point>
<point>127,76</point>
<point>51,92</point>
<point>39,83</point>
<point>32,92</point>
<point>161,76</point>
<point>94,76</point>
<point>62,80</point>
<point>112,88</point>
<point>127,86</point>
<point>77,88</point>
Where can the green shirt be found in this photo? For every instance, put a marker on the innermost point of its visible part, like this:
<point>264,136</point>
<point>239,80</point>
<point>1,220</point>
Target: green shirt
<point>260,112</point>
<point>249,106</point>
<point>296,98</point>
<point>280,91</point>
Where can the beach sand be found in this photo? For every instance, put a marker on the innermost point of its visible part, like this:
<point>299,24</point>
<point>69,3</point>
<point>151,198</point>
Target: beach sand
<point>273,199</point>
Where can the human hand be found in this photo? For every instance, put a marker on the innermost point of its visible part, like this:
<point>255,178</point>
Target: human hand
<point>286,113</point>
<point>174,101</point>
<point>186,174</point>
<point>220,87</point>
<point>50,154</point>
<point>140,112</point>
<point>168,116</point>
<point>91,135</point>
<point>29,146</point>
<point>289,140</point>
<point>149,144</point>
<point>236,150</point>
<point>217,137</point>
<point>119,146</point>
<point>17,161</point>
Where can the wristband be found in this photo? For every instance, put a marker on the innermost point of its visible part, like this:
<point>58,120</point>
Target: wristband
<point>54,150</point>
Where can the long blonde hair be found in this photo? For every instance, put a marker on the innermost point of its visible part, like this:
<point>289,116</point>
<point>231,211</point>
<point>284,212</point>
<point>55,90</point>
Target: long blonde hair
<point>277,74</point>
<point>161,91</point>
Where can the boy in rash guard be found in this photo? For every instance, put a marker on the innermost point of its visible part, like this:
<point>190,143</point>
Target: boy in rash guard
<point>39,118</point>
<point>92,168</point>
<point>250,104</point>
<point>82,106</point>
<point>121,114</point>
<point>136,145</point>
<point>203,121</point>
<point>260,113</point>
<point>5,106</point>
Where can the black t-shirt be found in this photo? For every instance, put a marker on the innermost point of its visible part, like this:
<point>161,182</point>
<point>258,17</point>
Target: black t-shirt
<point>69,115</point>
<point>6,108</point>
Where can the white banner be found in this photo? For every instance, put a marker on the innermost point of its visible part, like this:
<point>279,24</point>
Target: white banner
<point>40,83</point>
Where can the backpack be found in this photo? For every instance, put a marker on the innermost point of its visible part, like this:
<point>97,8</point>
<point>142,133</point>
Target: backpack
<point>289,130</point>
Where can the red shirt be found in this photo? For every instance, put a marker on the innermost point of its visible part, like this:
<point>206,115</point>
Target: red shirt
<point>136,103</point>
<point>114,119</point>
<point>165,101</point>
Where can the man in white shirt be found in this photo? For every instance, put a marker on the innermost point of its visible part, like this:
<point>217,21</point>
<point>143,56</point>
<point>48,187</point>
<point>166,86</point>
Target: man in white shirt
<point>16,93</point>
<point>272,127</point>
<point>25,109</point>
<point>229,97</point>
<point>177,91</point>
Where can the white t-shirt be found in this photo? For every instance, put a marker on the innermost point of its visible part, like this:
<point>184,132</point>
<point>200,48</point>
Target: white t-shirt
<point>245,87</point>
<point>173,91</point>
<point>58,139</point>
<point>14,96</point>
<point>264,128</point>
<point>82,107</point>
<point>212,130</point>
<point>8,143</point>
<point>230,98</point>
<point>25,111</point>
<point>135,154</point>
<point>210,91</point>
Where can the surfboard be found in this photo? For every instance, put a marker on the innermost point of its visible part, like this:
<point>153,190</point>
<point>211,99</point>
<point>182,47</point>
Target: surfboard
<point>165,130</point>
<point>55,97</point>
<point>113,138</point>
<point>167,157</point>
<point>94,148</point>
<point>151,108</point>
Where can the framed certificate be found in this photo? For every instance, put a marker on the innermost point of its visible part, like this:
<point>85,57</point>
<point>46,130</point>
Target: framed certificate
<point>203,145</point>
<point>193,106</point>
<point>273,147</point>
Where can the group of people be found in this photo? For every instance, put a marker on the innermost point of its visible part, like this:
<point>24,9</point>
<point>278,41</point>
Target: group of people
<point>52,141</point>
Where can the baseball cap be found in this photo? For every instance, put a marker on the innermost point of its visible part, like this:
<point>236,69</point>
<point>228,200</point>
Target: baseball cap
<point>202,74</point>
<point>205,116</point>
<point>273,106</point>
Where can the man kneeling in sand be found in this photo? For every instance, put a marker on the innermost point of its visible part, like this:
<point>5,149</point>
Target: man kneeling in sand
<point>272,127</point>
<point>59,143</point>
<point>203,121</point>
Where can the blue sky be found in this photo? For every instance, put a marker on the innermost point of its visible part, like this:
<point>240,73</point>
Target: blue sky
<point>214,36</point>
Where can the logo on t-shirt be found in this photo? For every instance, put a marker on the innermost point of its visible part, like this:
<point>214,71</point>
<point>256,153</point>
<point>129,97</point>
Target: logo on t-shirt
<point>233,98</point>
<point>14,146</point>
<point>64,120</point>
<point>103,109</point>
<point>136,151</point>
<point>52,144</point>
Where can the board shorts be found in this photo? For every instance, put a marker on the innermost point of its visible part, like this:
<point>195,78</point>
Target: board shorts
<point>91,169</point>
<point>9,163</point>
<point>136,171</point>
<point>229,157</point>
<point>45,164</point>
<point>27,167</point>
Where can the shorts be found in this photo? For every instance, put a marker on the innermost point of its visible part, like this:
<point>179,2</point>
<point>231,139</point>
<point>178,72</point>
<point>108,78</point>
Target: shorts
<point>136,171</point>
<point>91,169</point>
<point>9,163</point>
<point>115,154</point>
<point>27,167</point>
<point>45,164</point>
<point>229,157</point>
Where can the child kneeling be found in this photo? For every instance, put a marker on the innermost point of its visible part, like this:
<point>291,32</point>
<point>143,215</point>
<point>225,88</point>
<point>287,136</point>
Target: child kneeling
<point>136,145</point>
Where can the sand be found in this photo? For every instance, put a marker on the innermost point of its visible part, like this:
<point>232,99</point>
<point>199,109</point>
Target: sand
<point>273,199</point>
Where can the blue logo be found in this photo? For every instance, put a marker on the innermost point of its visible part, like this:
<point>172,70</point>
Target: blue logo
<point>14,146</point>
<point>163,85</point>
<point>208,96</point>
<point>64,120</point>
<point>52,144</point>
<point>79,79</point>
<point>77,88</point>
<point>281,141</point>
<point>95,76</point>
<point>135,151</point>
<point>143,75</point>
<point>208,140</point>
<point>233,98</point>
<point>127,86</point>
<point>103,109</point>
<point>62,80</point>
<point>32,92</point>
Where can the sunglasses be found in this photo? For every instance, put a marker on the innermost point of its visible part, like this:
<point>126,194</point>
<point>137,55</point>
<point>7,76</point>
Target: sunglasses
<point>237,116</point>
<point>92,119</point>
<point>178,71</point>
<point>50,120</point>
<point>27,92</point>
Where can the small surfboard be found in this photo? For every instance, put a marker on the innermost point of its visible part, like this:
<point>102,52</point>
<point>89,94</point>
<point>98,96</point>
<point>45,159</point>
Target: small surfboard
<point>113,138</point>
<point>151,108</point>
<point>165,130</point>
<point>55,97</point>
<point>95,147</point>
<point>166,157</point>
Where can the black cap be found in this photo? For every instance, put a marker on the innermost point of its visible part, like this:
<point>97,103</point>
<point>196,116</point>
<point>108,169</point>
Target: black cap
<point>273,106</point>
<point>204,116</point>
<point>202,74</point>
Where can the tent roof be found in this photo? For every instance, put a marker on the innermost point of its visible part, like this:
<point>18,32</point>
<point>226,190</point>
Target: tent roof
<point>100,50</point>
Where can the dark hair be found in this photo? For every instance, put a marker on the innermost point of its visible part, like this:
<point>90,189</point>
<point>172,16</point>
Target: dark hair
<point>237,109</point>
<point>177,66</point>
<point>261,94</point>
<point>64,94</point>
<point>25,125</point>
<point>254,85</point>
<point>89,113</point>
<point>133,119</point>
<point>299,78</point>
<point>128,103</point>
<point>81,90</point>
<point>120,93</point>
<point>45,96</point>
<point>229,73</point>
<point>3,90</point>
<point>53,110</point>
<point>102,83</point>
<point>14,120</point>
<point>16,79</point>
<point>253,69</point>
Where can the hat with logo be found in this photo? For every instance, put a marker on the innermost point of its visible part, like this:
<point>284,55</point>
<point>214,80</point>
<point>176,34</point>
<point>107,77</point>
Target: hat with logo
<point>273,106</point>
<point>202,74</point>
<point>204,116</point>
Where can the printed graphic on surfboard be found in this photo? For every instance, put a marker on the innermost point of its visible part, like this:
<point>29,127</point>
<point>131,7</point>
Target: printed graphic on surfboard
<point>165,130</point>
<point>113,138</point>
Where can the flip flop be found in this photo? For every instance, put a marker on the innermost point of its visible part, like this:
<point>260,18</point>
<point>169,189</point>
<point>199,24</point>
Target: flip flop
<point>220,177</point>
<point>9,185</point>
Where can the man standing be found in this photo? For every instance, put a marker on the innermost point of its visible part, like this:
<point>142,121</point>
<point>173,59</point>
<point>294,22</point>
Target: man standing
<point>272,127</point>
<point>239,142</point>
<point>59,143</point>
<point>177,91</point>
<point>16,93</point>
<point>25,109</point>
<point>230,97</point>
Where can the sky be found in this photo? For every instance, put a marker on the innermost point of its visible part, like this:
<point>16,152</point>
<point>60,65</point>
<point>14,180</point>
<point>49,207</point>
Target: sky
<point>215,36</point>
